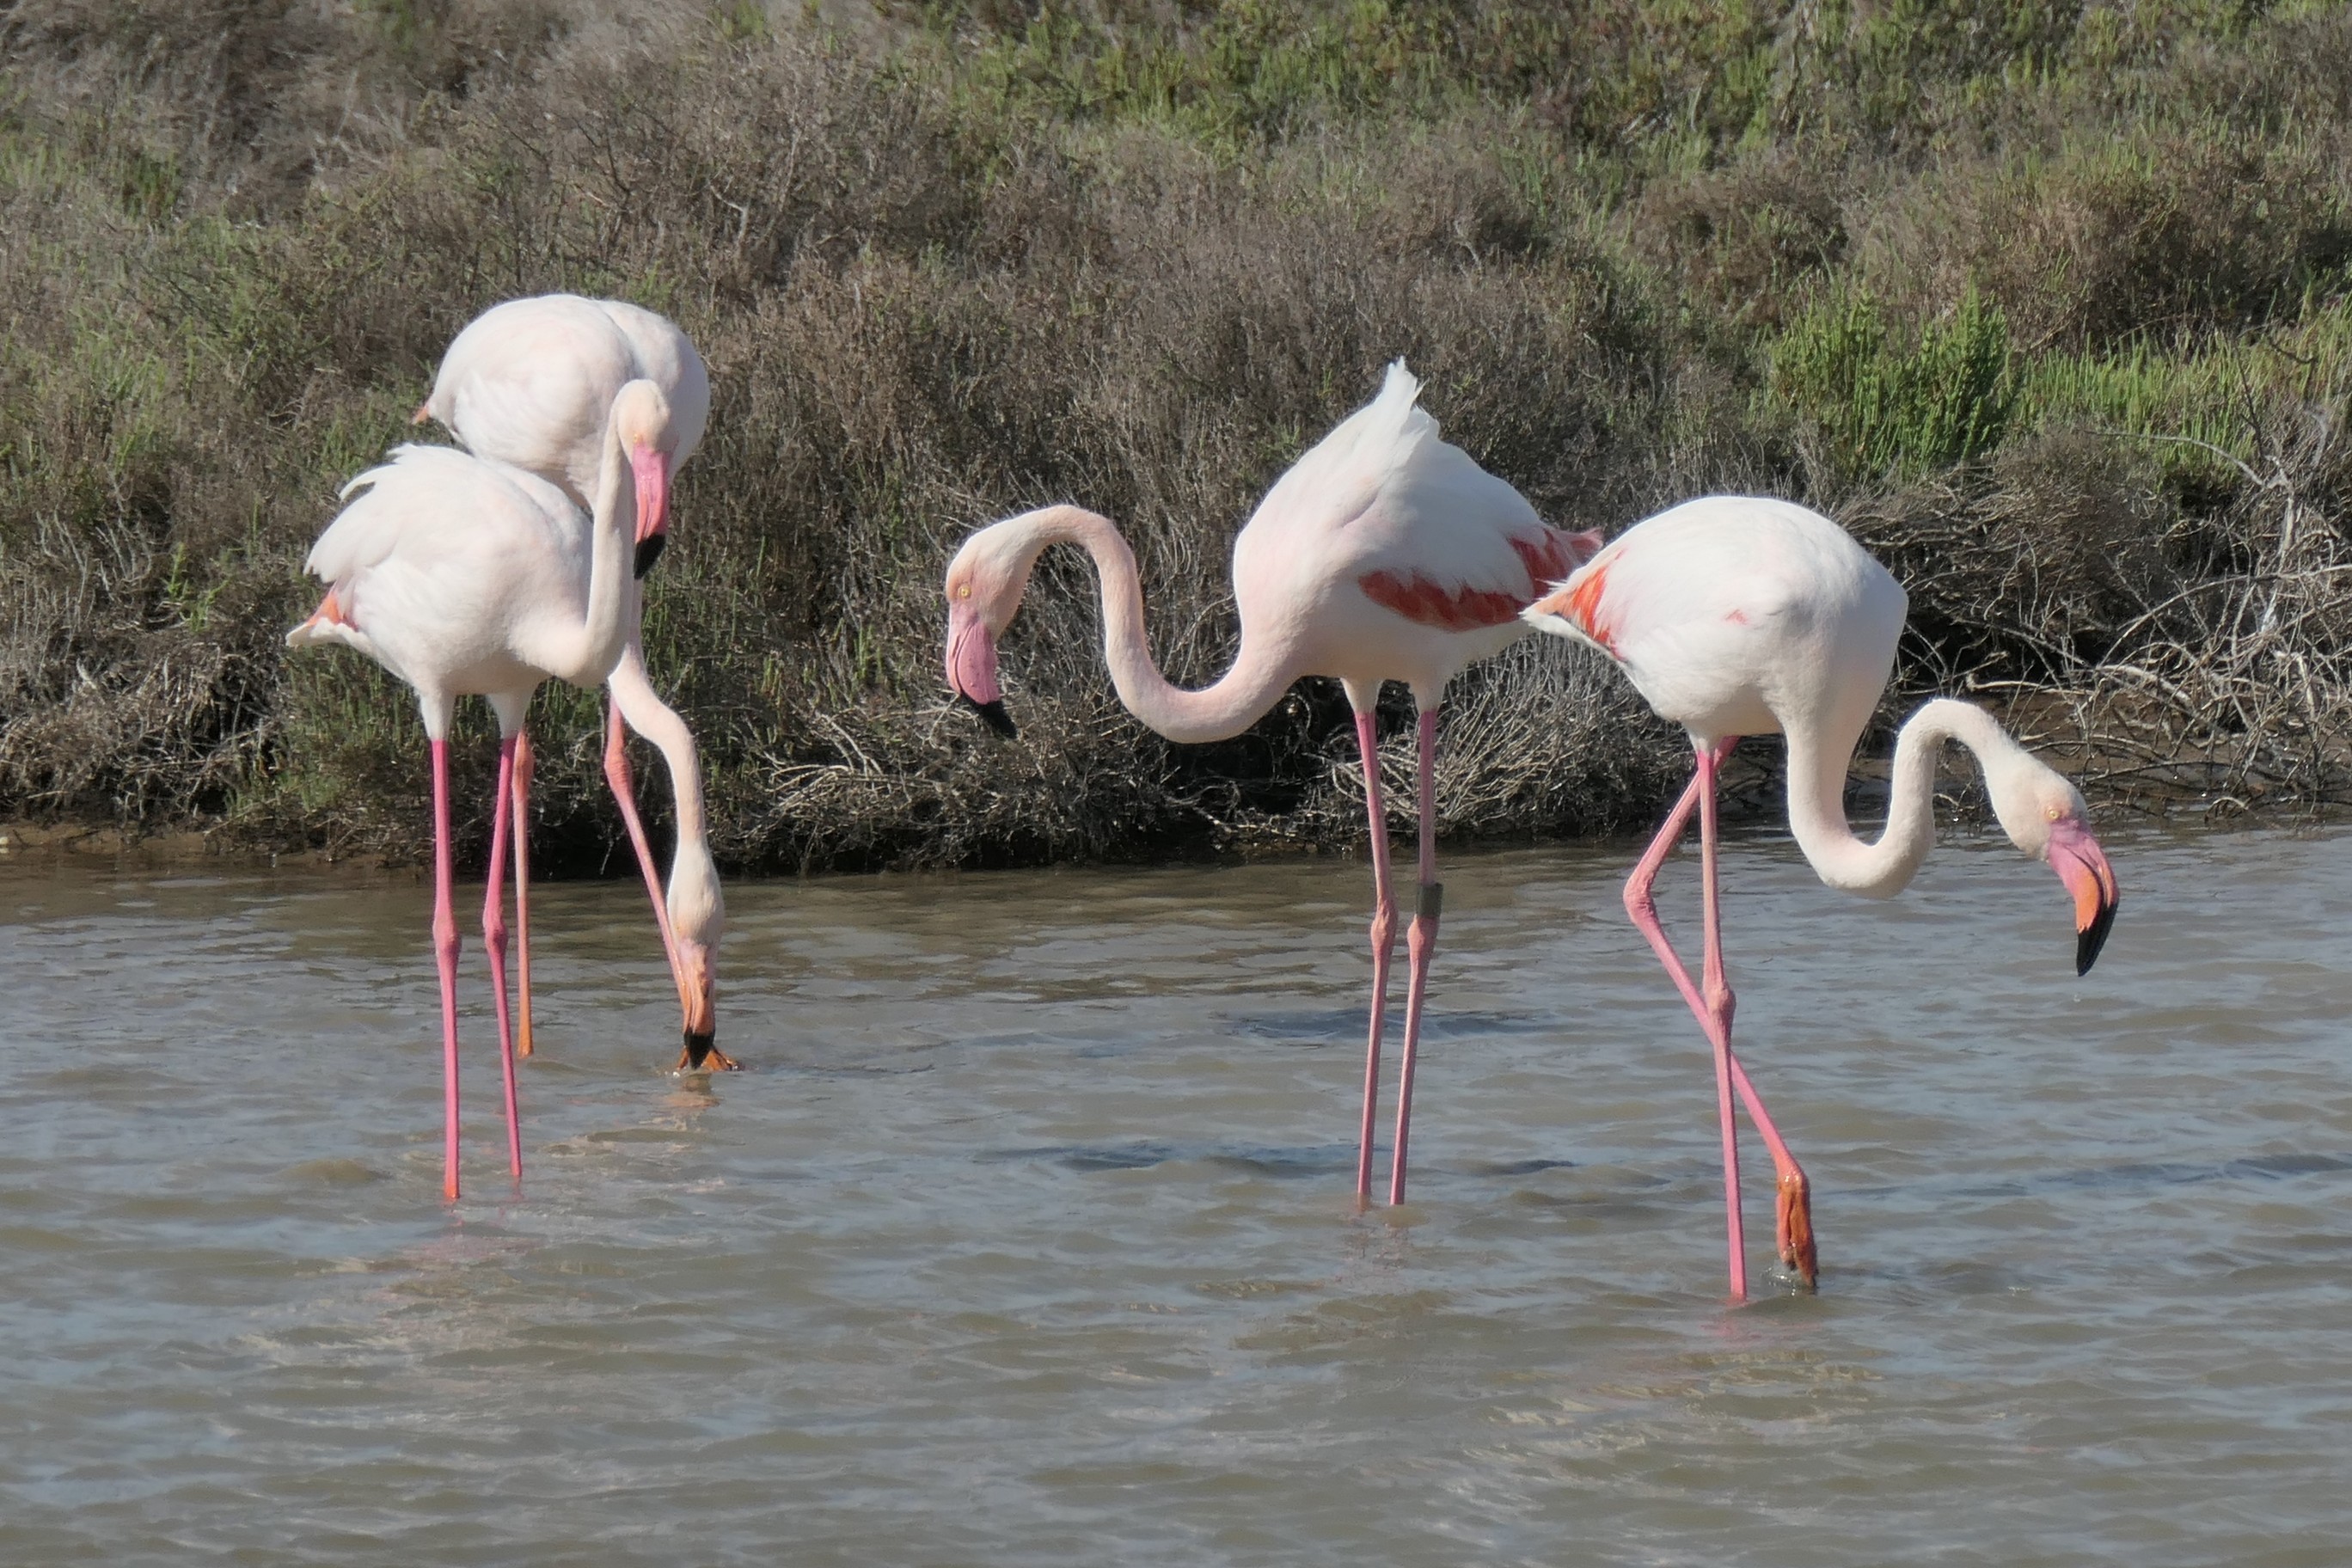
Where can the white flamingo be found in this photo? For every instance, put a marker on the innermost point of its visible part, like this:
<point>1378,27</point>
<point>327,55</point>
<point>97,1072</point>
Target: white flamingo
<point>468,577</point>
<point>1383,554</point>
<point>1737,616</point>
<point>528,383</point>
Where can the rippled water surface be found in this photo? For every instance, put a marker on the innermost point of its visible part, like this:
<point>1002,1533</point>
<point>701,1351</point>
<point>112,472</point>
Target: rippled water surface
<point>1027,1237</point>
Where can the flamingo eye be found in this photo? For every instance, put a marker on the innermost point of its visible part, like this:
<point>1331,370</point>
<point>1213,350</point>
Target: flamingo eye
<point>964,591</point>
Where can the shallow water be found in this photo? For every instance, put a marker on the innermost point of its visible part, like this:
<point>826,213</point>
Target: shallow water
<point>1028,1236</point>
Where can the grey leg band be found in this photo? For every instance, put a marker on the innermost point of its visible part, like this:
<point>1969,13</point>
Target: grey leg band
<point>1432,897</point>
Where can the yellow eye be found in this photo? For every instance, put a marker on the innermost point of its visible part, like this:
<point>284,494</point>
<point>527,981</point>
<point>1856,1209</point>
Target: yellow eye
<point>2053,813</point>
<point>964,591</point>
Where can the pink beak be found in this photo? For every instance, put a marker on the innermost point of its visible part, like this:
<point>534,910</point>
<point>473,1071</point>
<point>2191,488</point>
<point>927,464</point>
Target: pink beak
<point>2083,865</point>
<point>652,470</point>
<point>972,669</point>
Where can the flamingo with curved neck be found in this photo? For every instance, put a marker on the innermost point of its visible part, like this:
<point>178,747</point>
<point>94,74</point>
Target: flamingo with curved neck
<point>1383,554</point>
<point>468,577</point>
<point>1734,615</point>
<point>528,383</point>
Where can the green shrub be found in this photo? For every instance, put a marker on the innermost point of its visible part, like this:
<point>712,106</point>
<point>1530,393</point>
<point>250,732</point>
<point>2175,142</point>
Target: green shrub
<point>1886,408</point>
<point>2047,300</point>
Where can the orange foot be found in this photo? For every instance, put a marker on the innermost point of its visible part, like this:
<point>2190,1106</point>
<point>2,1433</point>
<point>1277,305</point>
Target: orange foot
<point>1795,1221</point>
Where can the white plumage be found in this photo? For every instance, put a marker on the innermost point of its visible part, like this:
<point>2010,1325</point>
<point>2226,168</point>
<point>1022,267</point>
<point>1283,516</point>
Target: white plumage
<point>1740,615</point>
<point>528,383</point>
<point>1383,554</point>
<point>464,576</point>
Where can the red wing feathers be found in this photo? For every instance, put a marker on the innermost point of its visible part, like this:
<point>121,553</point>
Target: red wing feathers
<point>1418,599</point>
<point>1461,609</point>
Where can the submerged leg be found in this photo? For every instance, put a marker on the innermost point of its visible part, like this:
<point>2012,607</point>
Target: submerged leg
<point>445,953</point>
<point>1642,908</point>
<point>1421,942</point>
<point>523,767</point>
<point>494,938</point>
<point>1384,944</point>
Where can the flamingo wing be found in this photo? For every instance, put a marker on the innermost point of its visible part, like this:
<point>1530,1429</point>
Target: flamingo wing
<point>440,510</point>
<point>1412,521</point>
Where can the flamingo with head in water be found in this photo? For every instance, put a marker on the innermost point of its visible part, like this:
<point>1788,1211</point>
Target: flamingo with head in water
<point>1737,616</point>
<point>1383,554</point>
<point>464,576</point>
<point>528,383</point>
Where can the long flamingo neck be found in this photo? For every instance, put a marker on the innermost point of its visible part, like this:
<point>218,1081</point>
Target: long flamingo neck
<point>1817,776</point>
<point>658,722</point>
<point>1261,672</point>
<point>611,610</point>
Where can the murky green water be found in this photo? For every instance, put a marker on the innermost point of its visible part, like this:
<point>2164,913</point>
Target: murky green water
<point>1028,1237</point>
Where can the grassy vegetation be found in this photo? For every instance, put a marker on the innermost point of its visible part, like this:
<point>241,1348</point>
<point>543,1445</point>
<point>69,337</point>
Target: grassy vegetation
<point>2051,301</point>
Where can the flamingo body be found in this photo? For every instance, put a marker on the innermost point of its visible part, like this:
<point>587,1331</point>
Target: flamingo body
<point>528,383</point>
<point>1387,553</point>
<point>1735,615</point>
<point>461,576</point>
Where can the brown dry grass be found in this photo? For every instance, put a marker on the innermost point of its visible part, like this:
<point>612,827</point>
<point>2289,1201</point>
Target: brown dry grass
<point>948,264</point>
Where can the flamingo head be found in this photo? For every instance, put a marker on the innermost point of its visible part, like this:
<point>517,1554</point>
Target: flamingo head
<point>697,919</point>
<point>985,582</point>
<point>2045,815</point>
<point>641,416</point>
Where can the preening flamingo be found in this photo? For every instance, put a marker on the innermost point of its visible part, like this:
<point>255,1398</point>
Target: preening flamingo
<point>530,382</point>
<point>1383,554</point>
<point>468,577</point>
<point>1733,616</point>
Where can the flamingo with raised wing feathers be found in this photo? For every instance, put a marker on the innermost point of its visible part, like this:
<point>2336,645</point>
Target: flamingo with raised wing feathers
<point>1383,554</point>
<point>528,383</point>
<point>1734,615</point>
<point>464,576</point>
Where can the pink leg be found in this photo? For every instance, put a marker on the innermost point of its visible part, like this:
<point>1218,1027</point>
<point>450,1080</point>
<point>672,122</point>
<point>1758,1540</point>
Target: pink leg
<point>1383,946</point>
<point>1792,1220</point>
<point>523,768</point>
<point>445,952</point>
<point>1713,1007</point>
<point>1643,910</point>
<point>624,791</point>
<point>494,938</point>
<point>1421,942</point>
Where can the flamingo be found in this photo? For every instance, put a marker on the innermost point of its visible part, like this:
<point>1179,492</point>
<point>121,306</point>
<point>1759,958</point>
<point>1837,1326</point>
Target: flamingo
<point>465,576</point>
<point>528,383</point>
<point>1735,615</point>
<point>1383,554</point>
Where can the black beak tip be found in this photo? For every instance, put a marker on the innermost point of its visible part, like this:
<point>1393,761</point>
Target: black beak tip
<point>2093,936</point>
<point>995,717</point>
<point>649,551</point>
<point>698,1049</point>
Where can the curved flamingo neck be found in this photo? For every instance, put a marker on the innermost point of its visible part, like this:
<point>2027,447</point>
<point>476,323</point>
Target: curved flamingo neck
<point>1261,671</point>
<point>1817,776</point>
<point>585,655</point>
<point>658,722</point>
